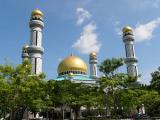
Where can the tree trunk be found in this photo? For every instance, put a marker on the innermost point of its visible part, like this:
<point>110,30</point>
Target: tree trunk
<point>77,112</point>
<point>88,110</point>
<point>13,114</point>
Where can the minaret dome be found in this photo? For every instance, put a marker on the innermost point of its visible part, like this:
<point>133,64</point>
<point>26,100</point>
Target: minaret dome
<point>25,47</point>
<point>93,54</point>
<point>37,12</point>
<point>127,29</point>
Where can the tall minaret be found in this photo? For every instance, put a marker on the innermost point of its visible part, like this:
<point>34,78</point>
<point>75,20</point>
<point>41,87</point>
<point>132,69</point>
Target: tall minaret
<point>93,64</point>
<point>130,60</point>
<point>25,52</point>
<point>35,49</point>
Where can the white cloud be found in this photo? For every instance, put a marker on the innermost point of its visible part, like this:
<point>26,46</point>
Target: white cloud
<point>144,32</point>
<point>88,42</point>
<point>82,15</point>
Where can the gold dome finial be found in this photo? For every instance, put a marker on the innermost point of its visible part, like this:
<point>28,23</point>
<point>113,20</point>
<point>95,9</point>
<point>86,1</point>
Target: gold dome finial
<point>92,54</point>
<point>126,29</point>
<point>25,46</point>
<point>37,12</point>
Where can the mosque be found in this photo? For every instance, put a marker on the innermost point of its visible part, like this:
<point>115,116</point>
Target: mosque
<point>72,67</point>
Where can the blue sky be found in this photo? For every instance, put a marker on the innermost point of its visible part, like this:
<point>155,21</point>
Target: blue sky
<point>67,21</point>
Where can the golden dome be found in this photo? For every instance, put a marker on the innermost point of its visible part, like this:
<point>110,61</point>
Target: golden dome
<point>72,63</point>
<point>126,29</point>
<point>37,12</point>
<point>92,54</point>
<point>25,46</point>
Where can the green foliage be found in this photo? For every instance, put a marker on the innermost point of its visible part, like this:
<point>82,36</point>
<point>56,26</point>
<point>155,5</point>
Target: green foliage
<point>19,89</point>
<point>70,93</point>
<point>109,66</point>
<point>151,100</point>
<point>155,81</point>
<point>117,87</point>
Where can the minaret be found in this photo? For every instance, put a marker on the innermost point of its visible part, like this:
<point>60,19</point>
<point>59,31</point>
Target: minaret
<point>130,60</point>
<point>93,64</point>
<point>35,49</point>
<point>25,52</point>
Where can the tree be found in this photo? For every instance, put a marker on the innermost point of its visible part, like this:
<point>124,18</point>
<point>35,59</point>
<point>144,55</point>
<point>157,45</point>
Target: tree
<point>155,81</point>
<point>151,101</point>
<point>67,94</point>
<point>5,93</point>
<point>113,83</point>
<point>109,66</point>
<point>21,89</point>
<point>63,94</point>
<point>86,96</point>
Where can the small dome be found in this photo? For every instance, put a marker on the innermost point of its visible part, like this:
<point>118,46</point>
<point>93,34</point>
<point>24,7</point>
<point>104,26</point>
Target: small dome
<point>37,12</point>
<point>25,47</point>
<point>92,54</point>
<point>72,64</point>
<point>127,29</point>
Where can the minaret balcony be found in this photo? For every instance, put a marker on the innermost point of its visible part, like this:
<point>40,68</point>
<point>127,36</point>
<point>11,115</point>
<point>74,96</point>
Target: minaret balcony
<point>36,23</point>
<point>128,38</point>
<point>131,59</point>
<point>24,55</point>
<point>93,61</point>
<point>35,49</point>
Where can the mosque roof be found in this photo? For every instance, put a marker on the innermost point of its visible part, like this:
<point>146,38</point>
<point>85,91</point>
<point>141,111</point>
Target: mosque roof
<point>75,77</point>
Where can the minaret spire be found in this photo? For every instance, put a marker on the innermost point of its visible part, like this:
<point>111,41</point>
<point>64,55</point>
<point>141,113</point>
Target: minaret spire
<point>93,64</point>
<point>130,60</point>
<point>35,49</point>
